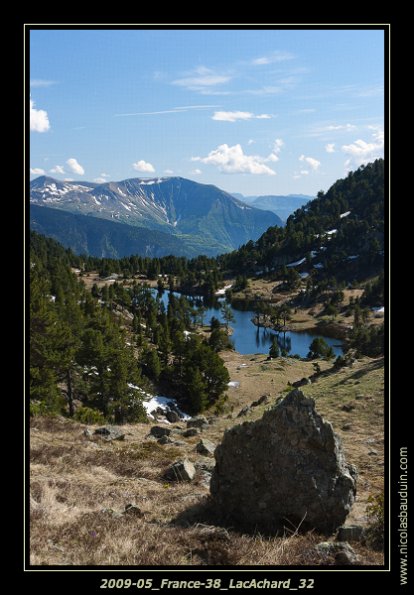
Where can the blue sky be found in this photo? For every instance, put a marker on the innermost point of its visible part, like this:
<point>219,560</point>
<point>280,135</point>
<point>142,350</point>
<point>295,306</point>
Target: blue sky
<point>256,112</point>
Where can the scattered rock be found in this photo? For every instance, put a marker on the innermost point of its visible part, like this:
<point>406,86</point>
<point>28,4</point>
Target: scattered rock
<point>373,452</point>
<point>191,432</point>
<point>110,433</point>
<point>205,447</point>
<point>293,472</point>
<point>264,400</point>
<point>348,407</point>
<point>132,510</point>
<point>342,553</point>
<point>350,533</point>
<point>244,411</point>
<point>172,416</point>
<point>159,431</point>
<point>359,397</point>
<point>87,433</point>
<point>346,427</point>
<point>181,471</point>
<point>345,558</point>
<point>164,440</point>
<point>197,422</point>
<point>178,443</point>
<point>302,382</point>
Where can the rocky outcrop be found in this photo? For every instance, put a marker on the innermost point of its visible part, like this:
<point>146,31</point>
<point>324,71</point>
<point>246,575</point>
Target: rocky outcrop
<point>285,470</point>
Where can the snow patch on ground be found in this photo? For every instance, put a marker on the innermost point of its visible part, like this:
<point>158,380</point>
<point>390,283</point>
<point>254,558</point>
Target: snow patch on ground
<point>303,275</point>
<point>296,263</point>
<point>152,403</point>
<point>378,309</point>
<point>342,215</point>
<point>223,290</point>
<point>233,384</point>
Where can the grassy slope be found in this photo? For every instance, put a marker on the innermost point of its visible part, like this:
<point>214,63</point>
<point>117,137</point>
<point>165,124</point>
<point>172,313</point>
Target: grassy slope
<point>79,486</point>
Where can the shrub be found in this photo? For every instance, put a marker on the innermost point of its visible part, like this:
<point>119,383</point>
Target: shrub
<point>375,513</point>
<point>87,415</point>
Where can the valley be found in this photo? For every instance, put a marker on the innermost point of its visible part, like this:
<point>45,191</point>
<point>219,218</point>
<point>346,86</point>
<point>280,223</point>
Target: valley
<point>108,335</point>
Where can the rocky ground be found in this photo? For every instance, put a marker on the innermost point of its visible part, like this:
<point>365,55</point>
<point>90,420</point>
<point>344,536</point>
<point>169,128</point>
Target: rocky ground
<point>100,502</point>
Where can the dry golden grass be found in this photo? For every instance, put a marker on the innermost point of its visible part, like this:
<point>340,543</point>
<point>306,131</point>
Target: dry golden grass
<point>80,487</point>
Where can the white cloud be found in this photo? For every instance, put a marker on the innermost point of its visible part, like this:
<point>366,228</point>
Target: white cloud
<point>36,83</point>
<point>143,166</point>
<point>344,127</point>
<point>68,179</point>
<point>37,171</point>
<point>75,167</point>
<point>39,120</point>
<point>173,110</point>
<point>196,172</point>
<point>304,172</point>
<point>330,148</point>
<point>100,180</point>
<point>58,169</point>
<point>202,80</point>
<point>104,175</point>
<point>278,144</point>
<point>232,160</point>
<point>278,56</point>
<point>251,141</point>
<point>362,152</point>
<point>169,172</point>
<point>234,116</point>
<point>314,163</point>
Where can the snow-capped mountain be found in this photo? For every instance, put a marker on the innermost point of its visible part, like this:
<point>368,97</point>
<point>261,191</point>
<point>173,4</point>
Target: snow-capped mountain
<point>203,215</point>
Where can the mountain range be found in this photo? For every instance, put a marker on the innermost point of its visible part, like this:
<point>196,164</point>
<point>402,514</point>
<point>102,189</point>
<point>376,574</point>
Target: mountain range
<point>189,218</point>
<point>281,205</point>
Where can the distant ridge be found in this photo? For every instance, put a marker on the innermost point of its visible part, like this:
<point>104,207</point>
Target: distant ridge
<point>206,219</point>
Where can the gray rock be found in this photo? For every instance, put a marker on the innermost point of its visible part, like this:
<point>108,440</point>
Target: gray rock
<point>164,440</point>
<point>350,533</point>
<point>244,411</point>
<point>302,382</point>
<point>181,471</point>
<point>205,447</point>
<point>178,443</point>
<point>173,417</point>
<point>348,407</point>
<point>159,431</point>
<point>132,510</point>
<point>87,433</point>
<point>110,433</point>
<point>346,427</point>
<point>286,469</point>
<point>191,432</point>
<point>341,552</point>
<point>197,422</point>
<point>264,400</point>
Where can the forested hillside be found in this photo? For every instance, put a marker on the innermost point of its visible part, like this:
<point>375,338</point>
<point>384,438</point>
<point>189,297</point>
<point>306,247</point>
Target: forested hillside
<point>103,348</point>
<point>341,232</point>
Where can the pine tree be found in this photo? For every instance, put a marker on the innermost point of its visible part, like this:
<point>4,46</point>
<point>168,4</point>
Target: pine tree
<point>274,350</point>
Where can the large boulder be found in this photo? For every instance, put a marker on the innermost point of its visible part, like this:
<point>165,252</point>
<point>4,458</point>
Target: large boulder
<point>285,470</point>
